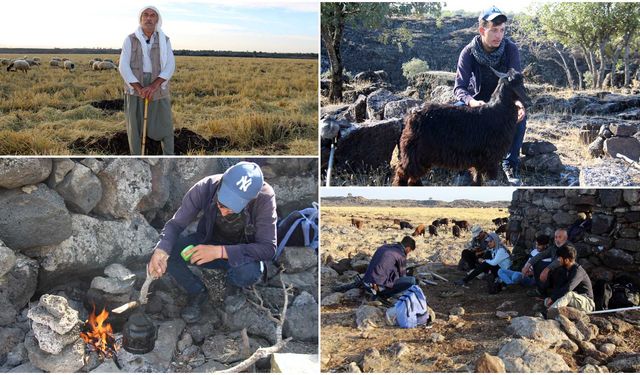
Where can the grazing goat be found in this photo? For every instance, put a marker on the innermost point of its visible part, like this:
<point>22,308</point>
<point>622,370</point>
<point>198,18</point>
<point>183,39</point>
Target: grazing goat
<point>462,137</point>
<point>419,230</point>
<point>433,231</point>
<point>358,223</point>
<point>405,225</point>
<point>502,229</point>
<point>463,224</point>
<point>455,230</point>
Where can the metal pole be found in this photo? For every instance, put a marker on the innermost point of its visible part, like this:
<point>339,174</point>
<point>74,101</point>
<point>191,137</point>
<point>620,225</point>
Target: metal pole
<point>330,166</point>
<point>614,310</point>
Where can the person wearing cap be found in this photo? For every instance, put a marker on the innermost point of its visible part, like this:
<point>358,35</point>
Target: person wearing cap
<point>475,82</point>
<point>500,259</point>
<point>386,274</point>
<point>475,249</point>
<point>237,233</point>
<point>146,66</point>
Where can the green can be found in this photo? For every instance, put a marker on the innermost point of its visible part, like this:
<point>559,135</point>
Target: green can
<point>184,251</point>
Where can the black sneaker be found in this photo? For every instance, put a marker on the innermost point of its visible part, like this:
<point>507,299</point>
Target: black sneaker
<point>192,312</point>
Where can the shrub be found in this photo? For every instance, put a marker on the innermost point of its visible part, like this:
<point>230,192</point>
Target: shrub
<point>413,67</point>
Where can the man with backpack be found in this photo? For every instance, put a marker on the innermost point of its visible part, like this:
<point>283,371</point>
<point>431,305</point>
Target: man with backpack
<point>386,274</point>
<point>237,233</point>
<point>570,282</point>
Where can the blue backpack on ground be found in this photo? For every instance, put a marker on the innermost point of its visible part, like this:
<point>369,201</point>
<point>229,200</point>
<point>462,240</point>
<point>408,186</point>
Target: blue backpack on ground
<point>299,228</point>
<point>411,308</point>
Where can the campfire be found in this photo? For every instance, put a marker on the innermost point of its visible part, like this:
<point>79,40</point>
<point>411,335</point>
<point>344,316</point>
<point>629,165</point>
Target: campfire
<point>99,335</point>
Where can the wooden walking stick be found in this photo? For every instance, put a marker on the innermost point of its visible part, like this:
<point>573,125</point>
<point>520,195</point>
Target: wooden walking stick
<point>144,125</point>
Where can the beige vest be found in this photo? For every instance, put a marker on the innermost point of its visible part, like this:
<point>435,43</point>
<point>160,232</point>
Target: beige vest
<point>136,65</point>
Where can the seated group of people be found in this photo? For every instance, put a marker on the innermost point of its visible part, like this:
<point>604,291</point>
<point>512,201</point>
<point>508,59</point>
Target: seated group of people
<point>551,268</point>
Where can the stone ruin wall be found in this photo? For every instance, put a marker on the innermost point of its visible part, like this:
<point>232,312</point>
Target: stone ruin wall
<point>610,249</point>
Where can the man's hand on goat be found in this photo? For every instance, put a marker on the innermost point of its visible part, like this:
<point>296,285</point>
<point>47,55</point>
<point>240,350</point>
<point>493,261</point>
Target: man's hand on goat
<point>521,111</point>
<point>476,103</point>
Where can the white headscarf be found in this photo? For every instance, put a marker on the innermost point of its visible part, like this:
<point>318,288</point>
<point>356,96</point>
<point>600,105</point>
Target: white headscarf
<point>164,55</point>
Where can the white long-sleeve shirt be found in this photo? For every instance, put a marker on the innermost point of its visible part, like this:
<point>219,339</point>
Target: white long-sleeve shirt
<point>500,257</point>
<point>125,61</point>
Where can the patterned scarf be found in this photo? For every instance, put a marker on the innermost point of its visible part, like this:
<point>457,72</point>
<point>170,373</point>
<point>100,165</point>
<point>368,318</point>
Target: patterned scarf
<point>489,59</point>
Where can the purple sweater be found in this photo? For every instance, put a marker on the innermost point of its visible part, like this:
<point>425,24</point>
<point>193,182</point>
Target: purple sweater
<point>467,84</point>
<point>260,214</point>
<point>388,263</point>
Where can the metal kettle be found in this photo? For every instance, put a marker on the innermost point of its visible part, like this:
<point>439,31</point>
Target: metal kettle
<point>139,334</point>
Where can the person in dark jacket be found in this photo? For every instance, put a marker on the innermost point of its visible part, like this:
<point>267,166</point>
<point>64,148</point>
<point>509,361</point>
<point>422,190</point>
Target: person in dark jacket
<point>237,233</point>
<point>571,284</point>
<point>475,82</point>
<point>544,262</point>
<point>387,271</point>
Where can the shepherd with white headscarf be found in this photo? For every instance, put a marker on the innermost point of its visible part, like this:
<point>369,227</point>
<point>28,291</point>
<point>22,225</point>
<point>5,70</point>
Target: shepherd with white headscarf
<point>146,65</point>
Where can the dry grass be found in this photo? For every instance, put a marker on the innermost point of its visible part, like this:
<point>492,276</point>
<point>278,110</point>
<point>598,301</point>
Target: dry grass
<point>261,105</point>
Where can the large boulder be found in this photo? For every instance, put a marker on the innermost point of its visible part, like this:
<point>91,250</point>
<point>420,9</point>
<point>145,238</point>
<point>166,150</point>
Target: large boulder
<point>549,163</point>
<point>298,259</point>
<point>376,102</point>
<point>55,313</point>
<point>7,259</point>
<point>368,146</point>
<point>10,337</point>
<point>19,284</point>
<point>302,319</point>
<point>70,359</point>
<point>33,217</point>
<point>547,332</point>
<point>400,108</point>
<point>521,355</point>
<point>94,244</point>
<point>80,189</point>
<point>59,170</point>
<point>124,183</point>
<point>627,146</point>
<point>240,313</point>
<point>17,172</point>
<point>488,363</point>
<point>160,186</point>
<point>368,316</point>
<point>616,258</point>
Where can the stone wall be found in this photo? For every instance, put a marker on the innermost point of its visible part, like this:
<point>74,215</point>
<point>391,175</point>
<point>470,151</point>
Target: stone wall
<point>612,246</point>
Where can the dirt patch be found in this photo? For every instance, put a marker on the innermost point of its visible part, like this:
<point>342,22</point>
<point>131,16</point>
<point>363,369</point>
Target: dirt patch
<point>109,105</point>
<point>186,142</point>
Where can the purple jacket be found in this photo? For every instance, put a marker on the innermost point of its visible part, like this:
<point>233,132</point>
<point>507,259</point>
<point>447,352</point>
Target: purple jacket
<point>468,79</point>
<point>388,263</point>
<point>260,214</point>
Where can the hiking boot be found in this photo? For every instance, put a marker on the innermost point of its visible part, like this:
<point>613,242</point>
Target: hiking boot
<point>512,174</point>
<point>463,179</point>
<point>192,311</point>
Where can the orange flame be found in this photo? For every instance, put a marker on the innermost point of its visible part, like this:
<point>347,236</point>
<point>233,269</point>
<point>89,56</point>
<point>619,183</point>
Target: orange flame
<point>99,335</point>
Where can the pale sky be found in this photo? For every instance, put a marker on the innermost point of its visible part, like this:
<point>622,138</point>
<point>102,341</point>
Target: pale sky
<point>241,25</point>
<point>447,194</point>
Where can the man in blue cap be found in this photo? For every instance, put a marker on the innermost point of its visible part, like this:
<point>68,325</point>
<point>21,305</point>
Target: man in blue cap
<point>237,232</point>
<point>475,82</point>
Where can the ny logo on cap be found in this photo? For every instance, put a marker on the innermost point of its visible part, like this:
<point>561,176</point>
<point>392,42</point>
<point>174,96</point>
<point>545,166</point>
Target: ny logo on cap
<point>244,183</point>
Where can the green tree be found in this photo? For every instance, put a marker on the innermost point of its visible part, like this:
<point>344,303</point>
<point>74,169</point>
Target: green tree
<point>334,17</point>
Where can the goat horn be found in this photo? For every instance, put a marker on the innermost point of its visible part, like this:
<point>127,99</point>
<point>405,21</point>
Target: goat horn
<point>500,75</point>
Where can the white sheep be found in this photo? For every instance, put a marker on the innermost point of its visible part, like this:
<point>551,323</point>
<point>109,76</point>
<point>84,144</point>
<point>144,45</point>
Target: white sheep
<point>19,65</point>
<point>55,63</point>
<point>68,65</point>
<point>104,65</point>
<point>108,60</point>
<point>5,61</point>
<point>32,62</point>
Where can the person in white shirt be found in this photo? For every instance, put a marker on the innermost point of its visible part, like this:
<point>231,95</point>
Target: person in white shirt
<point>146,65</point>
<point>500,259</point>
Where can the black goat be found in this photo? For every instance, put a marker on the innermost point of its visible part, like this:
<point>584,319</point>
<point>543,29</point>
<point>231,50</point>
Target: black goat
<point>461,137</point>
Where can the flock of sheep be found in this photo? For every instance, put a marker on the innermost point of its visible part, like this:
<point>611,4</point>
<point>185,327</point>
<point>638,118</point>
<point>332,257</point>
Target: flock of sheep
<point>25,63</point>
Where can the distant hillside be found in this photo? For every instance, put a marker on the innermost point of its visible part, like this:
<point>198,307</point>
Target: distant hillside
<point>458,203</point>
<point>181,52</point>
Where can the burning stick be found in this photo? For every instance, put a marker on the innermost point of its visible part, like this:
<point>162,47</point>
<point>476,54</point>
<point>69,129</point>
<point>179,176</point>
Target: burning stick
<point>142,300</point>
<point>99,335</point>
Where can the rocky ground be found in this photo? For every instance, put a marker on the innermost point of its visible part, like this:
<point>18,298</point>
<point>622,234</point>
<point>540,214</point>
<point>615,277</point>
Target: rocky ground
<point>507,325</point>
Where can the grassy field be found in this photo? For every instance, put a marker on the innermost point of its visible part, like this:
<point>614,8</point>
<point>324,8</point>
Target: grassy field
<point>263,106</point>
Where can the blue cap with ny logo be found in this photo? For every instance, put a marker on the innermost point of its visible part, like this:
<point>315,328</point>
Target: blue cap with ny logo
<point>240,184</point>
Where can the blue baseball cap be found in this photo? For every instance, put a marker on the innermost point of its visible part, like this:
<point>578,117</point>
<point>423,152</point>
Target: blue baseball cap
<point>240,184</point>
<point>492,13</point>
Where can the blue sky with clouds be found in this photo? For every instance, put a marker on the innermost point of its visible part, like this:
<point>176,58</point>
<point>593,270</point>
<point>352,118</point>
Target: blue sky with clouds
<point>268,26</point>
